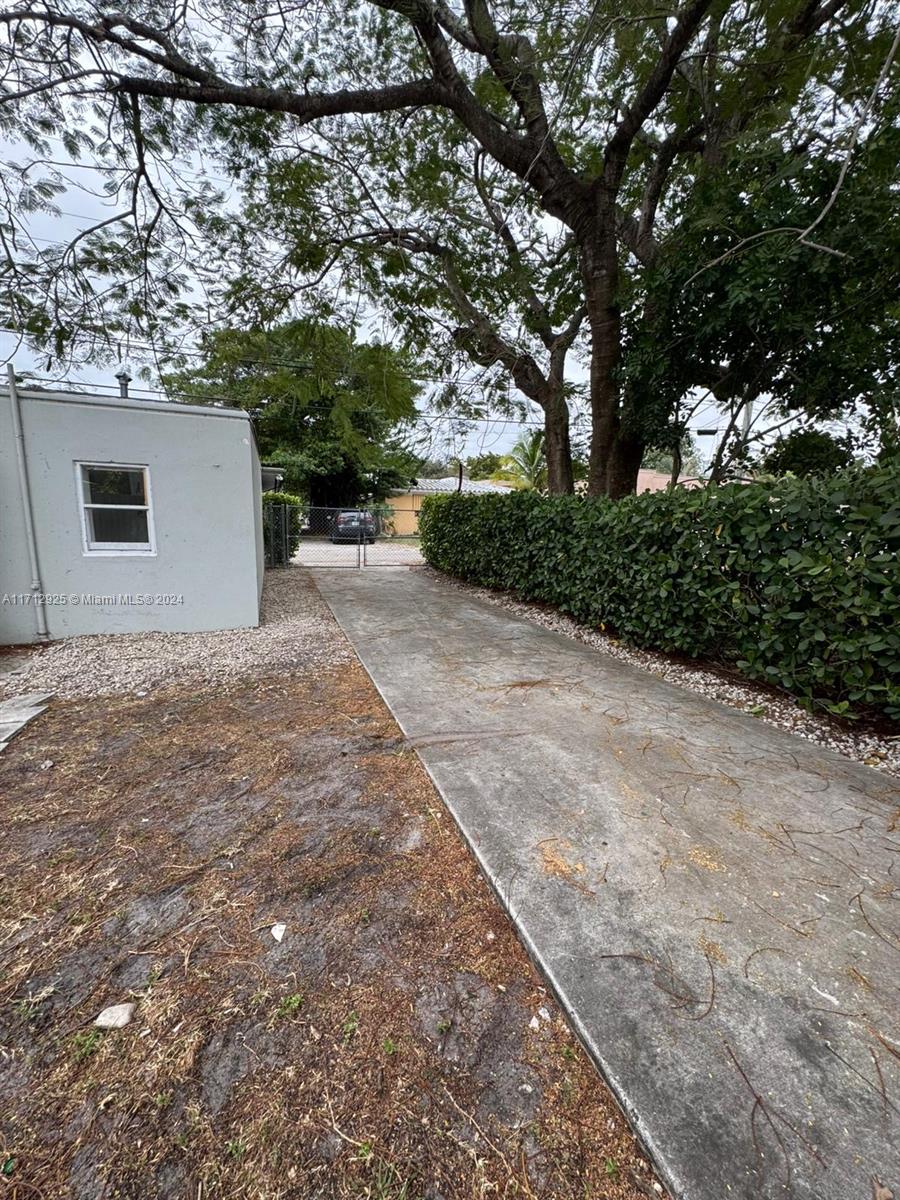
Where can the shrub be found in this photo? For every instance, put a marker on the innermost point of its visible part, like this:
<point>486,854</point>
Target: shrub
<point>797,583</point>
<point>808,452</point>
<point>272,527</point>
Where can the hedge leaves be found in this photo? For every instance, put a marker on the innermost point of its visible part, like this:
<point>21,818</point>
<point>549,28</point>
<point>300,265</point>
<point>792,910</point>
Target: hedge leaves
<point>797,582</point>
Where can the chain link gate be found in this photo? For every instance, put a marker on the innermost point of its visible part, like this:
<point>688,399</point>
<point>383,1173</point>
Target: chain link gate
<point>354,537</point>
<point>277,534</point>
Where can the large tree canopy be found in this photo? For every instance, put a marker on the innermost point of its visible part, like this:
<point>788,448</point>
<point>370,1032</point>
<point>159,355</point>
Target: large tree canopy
<point>736,305</point>
<point>505,172</point>
<point>326,408</point>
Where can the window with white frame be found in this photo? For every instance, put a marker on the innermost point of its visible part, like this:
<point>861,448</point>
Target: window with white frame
<point>116,516</point>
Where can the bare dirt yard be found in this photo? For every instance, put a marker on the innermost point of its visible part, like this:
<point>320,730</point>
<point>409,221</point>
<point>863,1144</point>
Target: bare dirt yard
<point>395,1043</point>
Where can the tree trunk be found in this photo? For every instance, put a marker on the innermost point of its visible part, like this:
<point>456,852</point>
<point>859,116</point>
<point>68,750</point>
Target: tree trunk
<point>624,464</point>
<point>557,446</point>
<point>615,457</point>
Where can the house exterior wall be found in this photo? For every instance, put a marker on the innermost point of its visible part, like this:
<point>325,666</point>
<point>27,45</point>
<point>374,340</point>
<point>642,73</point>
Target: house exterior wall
<point>407,504</point>
<point>206,515</point>
<point>405,518</point>
<point>256,502</point>
<point>17,623</point>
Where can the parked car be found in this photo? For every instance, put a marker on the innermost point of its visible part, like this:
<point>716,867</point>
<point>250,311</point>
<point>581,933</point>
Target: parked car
<point>353,526</point>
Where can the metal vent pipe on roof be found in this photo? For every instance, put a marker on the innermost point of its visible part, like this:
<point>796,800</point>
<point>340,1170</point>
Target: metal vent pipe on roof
<point>124,379</point>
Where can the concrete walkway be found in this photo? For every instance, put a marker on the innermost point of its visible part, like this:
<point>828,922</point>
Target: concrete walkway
<point>17,711</point>
<point>711,898</point>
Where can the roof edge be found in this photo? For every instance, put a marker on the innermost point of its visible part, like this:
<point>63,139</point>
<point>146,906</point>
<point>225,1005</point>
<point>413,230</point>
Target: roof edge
<point>88,399</point>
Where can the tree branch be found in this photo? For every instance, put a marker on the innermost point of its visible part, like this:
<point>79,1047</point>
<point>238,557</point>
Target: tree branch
<point>47,86</point>
<point>854,137</point>
<point>491,345</point>
<point>653,90</point>
<point>511,58</point>
<point>543,170</point>
<point>458,30</point>
<point>310,107</point>
<point>535,305</point>
<point>658,178</point>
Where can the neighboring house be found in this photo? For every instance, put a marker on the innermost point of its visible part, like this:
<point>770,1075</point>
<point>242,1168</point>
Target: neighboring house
<point>648,481</point>
<point>658,481</point>
<point>652,481</point>
<point>126,516</point>
<point>406,503</point>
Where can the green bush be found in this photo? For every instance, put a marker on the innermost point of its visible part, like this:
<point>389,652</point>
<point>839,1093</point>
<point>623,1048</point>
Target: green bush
<point>272,527</point>
<point>797,583</point>
<point>808,452</point>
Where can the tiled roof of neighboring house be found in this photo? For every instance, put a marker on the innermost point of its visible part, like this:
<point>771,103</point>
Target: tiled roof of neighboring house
<point>430,487</point>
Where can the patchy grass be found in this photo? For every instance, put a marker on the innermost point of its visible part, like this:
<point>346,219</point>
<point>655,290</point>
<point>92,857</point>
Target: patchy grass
<point>85,1043</point>
<point>290,1005</point>
<point>383,1048</point>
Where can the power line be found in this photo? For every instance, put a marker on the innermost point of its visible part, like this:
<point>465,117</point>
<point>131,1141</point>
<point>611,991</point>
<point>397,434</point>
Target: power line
<point>149,348</point>
<point>228,401</point>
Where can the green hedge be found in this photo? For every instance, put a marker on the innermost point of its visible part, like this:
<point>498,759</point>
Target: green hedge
<point>796,582</point>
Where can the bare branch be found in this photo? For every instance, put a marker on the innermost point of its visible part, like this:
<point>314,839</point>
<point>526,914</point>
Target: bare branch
<point>47,86</point>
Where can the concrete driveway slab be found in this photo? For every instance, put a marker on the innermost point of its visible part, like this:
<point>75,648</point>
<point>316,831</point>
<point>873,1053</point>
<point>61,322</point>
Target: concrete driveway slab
<point>17,711</point>
<point>712,899</point>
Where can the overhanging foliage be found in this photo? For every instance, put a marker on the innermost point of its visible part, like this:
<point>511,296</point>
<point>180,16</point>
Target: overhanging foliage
<point>499,175</point>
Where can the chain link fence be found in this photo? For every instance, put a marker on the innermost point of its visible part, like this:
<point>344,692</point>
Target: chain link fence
<point>354,537</point>
<point>280,532</point>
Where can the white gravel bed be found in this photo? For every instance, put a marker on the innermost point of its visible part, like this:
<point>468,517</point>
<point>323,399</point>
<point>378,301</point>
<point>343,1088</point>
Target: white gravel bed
<point>298,635</point>
<point>783,712</point>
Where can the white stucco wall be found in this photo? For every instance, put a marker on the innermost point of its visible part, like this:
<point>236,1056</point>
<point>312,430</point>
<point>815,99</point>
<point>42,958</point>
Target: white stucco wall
<point>256,501</point>
<point>205,491</point>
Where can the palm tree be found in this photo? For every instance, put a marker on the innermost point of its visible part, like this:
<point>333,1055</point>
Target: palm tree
<point>526,464</point>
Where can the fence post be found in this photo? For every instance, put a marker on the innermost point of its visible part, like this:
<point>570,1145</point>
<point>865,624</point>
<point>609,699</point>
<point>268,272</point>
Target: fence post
<point>267,525</point>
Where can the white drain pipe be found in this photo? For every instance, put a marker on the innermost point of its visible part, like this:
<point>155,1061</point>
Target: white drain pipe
<point>37,588</point>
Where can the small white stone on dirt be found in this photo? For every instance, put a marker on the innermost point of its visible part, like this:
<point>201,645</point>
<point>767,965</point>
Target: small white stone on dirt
<point>543,1014</point>
<point>117,1016</point>
<point>278,932</point>
<point>534,1023</point>
<point>491,935</point>
<point>46,764</point>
